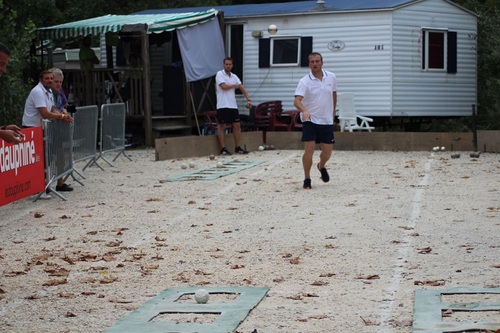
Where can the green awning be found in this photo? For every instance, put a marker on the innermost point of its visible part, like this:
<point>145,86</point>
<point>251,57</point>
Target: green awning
<point>155,23</point>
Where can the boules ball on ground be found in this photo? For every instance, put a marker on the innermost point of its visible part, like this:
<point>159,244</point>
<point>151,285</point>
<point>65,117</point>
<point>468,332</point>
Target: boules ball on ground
<point>201,296</point>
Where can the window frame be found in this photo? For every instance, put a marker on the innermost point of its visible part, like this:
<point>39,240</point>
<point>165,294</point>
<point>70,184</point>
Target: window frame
<point>306,47</point>
<point>296,38</point>
<point>428,49</point>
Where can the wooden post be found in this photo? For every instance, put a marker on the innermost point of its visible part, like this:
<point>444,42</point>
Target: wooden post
<point>193,107</point>
<point>148,121</point>
<point>474,127</point>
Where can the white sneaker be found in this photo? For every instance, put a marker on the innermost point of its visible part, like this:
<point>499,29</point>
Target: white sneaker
<point>45,196</point>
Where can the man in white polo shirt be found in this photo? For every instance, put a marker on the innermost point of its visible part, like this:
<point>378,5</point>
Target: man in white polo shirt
<point>316,99</point>
<point>40,103</point>
<point>227,109</point>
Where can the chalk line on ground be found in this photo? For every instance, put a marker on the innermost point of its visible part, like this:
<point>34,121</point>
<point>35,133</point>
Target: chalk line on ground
<point>387,307</point>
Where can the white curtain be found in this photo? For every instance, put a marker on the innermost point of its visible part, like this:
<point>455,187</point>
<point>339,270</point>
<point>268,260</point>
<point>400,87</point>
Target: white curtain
<point>202,50</point>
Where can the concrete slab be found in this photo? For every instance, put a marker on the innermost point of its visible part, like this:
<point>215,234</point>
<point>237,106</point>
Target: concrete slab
<point>210,173</point>
<point>229,314</point>
<point>428,309</point>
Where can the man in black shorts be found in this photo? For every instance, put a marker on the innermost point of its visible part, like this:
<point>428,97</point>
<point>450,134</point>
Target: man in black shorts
<point>227,109</point>
<point>316,99</point>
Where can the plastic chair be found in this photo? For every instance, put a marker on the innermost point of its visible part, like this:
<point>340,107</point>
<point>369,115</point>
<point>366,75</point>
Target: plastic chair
<point>348,118</point>
<point>211,123</point>
<point>290,114</point>
<point>296,124</point>
<point>263,117</point>
<point>277,114</point>
<point>210,126</point>
<point>247,122</point>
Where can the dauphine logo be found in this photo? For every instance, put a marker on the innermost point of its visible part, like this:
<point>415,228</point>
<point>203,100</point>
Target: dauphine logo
<point>336,45</point>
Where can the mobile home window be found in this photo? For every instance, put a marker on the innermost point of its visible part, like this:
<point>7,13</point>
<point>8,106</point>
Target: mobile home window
<point>439,50</point>
<point>285,51</point>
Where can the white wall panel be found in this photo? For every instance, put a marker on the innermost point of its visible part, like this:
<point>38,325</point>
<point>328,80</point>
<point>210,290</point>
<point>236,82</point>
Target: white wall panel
<point>381,61</point>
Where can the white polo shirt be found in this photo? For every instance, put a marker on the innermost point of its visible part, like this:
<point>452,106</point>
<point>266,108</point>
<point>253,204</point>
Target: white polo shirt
<point>226,98</point>
<point>39,97</point>
<point>318,96</point>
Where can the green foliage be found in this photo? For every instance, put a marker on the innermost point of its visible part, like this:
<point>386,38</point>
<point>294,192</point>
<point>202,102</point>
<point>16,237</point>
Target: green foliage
<point>20,17</point>
<point>489,69</point>
<point>62,11</point>
<point>488,66</point>
<point>16,33</point>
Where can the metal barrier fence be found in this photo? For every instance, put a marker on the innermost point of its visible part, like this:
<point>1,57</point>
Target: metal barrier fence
<point>85,135</point>
<point>58,151</point>
<point>113,130</point>
<point>66,144</point>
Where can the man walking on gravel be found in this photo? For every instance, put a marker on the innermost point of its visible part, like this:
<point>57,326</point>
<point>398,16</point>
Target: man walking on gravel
<point>316,99</point>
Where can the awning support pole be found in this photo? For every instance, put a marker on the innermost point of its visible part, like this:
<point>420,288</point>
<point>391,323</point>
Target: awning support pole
<point>148,121</point>
<point>193,107</point>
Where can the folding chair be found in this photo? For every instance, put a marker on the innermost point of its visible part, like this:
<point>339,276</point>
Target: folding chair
<point>347,115</point>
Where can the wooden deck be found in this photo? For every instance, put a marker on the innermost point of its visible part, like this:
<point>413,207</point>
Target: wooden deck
<point>102,86</point>
<point>124,85</point>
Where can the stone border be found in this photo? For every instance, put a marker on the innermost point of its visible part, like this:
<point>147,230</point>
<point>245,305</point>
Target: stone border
<point>196,146</point>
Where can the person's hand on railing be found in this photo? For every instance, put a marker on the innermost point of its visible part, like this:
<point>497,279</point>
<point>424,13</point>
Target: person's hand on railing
<point>11,134</point>
<point>66,117</point>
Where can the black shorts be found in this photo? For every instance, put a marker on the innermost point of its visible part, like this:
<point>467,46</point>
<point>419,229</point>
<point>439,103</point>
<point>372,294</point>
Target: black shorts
<point>317,133</point>
<point>228,116</point>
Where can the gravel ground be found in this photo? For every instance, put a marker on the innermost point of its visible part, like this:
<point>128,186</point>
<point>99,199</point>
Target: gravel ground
<point>346,256</point>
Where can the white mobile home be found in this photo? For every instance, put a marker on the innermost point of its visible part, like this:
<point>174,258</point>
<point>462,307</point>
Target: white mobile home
<point>414,58</point>
<point>399,58</point>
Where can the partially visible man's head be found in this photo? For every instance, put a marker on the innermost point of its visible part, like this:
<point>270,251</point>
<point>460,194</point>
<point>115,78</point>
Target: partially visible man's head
<point>4,58</point>
<point>47,78</point>
<point>228,64</point>
<point>315,62</point>
<point>58,78</point>
<point>87,41</point>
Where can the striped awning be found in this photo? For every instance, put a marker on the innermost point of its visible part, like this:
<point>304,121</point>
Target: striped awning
<point>155,23</point>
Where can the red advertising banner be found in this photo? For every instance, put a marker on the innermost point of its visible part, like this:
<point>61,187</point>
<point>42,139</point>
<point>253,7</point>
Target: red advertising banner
<point>22,167</point>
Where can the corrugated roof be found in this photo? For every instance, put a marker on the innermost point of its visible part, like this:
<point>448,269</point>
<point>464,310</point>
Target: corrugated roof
<point>234,11</point>
<point>156,22</point>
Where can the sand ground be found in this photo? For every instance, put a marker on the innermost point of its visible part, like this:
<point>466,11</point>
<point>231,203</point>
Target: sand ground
<point>346,256</point>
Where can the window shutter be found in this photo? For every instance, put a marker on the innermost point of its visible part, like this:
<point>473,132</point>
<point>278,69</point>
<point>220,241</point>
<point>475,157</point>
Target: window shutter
<point>306,47</point>
<point>264,52</point>
<point>452,52</point>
